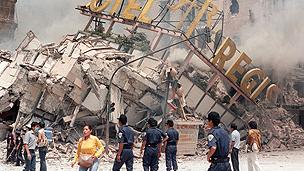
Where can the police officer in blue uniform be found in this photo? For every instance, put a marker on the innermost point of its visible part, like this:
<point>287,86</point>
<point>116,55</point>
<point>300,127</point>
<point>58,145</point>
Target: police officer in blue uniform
<point>218,144</point>
<point>170,143</point>
<point>152,145</point>
<point>126,142</point>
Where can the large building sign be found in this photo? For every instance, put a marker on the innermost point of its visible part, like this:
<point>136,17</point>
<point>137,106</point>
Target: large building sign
<point>249,78</point>
<point>129,9</point>
<point>191,18</point>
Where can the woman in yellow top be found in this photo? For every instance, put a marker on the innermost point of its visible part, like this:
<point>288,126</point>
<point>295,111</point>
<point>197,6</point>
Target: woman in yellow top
<point>89,148</point>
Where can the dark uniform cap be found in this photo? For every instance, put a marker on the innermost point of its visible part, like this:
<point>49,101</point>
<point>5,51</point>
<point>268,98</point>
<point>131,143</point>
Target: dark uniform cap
<point>152,122</point>
<point>214,116</point>
<point>123,118</point>
<point>168,121</point>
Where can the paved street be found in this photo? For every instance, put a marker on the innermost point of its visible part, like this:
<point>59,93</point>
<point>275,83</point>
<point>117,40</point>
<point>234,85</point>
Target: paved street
<point>273,161</point>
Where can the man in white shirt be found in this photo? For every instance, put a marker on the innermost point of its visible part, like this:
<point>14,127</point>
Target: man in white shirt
<point>235,146</point>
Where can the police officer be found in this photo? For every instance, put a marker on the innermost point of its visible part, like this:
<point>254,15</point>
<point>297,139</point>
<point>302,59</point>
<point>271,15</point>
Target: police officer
<point>126,142</point>
<point>218,144</point>
<point>152,145</point>
<point>170,143</point>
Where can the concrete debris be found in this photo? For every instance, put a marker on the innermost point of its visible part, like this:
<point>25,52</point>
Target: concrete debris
<point>284,134</point>
<point>290,96</point>
<point>5,55</point>
<point>66,85</point>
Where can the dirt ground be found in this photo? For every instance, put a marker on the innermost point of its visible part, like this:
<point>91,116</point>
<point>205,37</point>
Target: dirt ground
<point>270,161</point>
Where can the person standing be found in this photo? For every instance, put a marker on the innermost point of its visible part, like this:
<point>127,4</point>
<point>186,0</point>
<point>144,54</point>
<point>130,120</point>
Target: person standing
<point>253,146</point>
<point>19,144</point>
<point>42,147</point>
<point>10,145</point>
<point>170,144</point>
<point>235,146</point>
<point>218,144</point>
<point>30,144</point>
<point>88,150</point>
<point>126,142</point>
<point>152,145</point>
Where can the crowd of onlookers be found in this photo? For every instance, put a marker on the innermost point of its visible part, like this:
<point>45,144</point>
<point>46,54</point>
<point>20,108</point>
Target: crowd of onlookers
<point>22,146</point>
<point>21,149</point>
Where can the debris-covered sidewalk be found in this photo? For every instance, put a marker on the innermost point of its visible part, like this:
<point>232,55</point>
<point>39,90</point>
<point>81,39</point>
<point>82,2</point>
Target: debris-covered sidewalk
<point>278,160</point>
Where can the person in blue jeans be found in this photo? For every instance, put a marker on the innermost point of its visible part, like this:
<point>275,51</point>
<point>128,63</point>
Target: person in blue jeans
<point>30,144</point>
<point>170,144</point>
<point>125,138</point>
<point>19,147</point>
<point>152,146</point>
<point>42,147</point>
<point>94,167</point>
<point>89,149</point>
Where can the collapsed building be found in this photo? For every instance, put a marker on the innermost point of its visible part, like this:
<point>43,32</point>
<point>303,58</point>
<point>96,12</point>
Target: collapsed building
<point>66,85</point>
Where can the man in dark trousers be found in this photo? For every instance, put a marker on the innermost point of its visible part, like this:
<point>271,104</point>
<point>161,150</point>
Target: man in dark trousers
<point>19,145</point>
<point>170,144</point>
<point>42,144</point>
<point>152,145</point>
<point>218,144</point>
<point>10,144</point>
<point>235,146</point>
<point>30,144</point>
<point>126,141</point>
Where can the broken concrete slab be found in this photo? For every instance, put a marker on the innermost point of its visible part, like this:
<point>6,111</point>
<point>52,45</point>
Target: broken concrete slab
<point>33,76</point>
<point>135,114</point>
<point>93,103</point>
<point>6,106</point>
<point>3,66</point>
<point>8,77</point>
<point>64,67</point>
<point>40,60</point>
<point>116,98</point>
<point>151,101</point>
<point>49,64</point>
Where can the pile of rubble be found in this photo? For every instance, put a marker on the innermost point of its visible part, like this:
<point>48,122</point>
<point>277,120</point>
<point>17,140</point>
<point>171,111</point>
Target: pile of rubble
<point>290,95</point>
<point>280,131</point>
<point>278,124</point>
<point>289,134</point>
<point>66,84</point>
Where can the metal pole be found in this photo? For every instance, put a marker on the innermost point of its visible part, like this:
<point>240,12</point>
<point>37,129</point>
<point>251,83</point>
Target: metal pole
<point>168,82</point>
<point>108,101</point>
